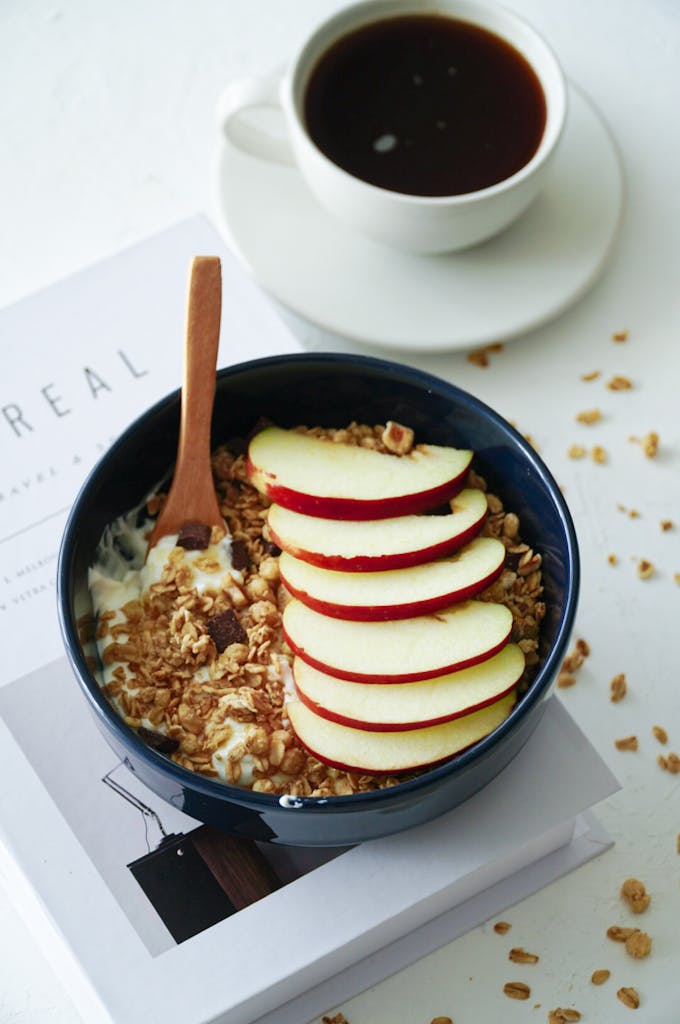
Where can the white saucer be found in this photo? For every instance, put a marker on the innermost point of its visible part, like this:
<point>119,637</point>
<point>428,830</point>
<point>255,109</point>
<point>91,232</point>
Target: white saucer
<point>374,294</point>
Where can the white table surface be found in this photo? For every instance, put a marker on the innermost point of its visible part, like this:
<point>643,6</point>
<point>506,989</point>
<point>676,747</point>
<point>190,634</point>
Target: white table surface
<point>107,134</point>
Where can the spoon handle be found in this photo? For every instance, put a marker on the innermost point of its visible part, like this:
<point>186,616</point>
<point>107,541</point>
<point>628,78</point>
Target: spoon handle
<point>192,495</point>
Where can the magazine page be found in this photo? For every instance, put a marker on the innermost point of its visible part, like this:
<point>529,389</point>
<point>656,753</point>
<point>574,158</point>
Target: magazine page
<point>90,355</point>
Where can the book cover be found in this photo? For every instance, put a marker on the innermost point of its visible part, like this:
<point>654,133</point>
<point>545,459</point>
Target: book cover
<point>128,895</point>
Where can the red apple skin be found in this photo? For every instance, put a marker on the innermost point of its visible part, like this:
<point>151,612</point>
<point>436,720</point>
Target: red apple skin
<point>387,771</point>
<point>353,723</point>
<point>361,508</point>
<point>389,613</point>
<point>410,677</point>
<point>377,563</point>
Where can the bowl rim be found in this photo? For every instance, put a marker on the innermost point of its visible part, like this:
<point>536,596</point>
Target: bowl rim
<point>211,788</point>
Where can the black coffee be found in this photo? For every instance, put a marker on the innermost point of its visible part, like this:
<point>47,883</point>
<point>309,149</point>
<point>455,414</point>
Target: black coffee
<point>425,104</point>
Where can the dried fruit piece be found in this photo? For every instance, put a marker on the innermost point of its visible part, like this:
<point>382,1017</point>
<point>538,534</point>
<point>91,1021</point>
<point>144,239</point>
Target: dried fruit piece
<point>638,945</point>
<point>618,688</point>
<point>660,733</point>
<point>194,536</point>
<point>599,977</point>
<point>502,927</point>
<point>225,629</point>
<point>627,743</point>
<point>516,990</point>
<point>521,956</point>
<point>629,997</point>
<point>397,438</point>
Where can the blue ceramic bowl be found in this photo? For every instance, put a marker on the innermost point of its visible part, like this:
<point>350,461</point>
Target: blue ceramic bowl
<point>330,390</point>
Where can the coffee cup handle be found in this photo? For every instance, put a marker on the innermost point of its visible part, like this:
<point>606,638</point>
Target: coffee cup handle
<point>241,96</point>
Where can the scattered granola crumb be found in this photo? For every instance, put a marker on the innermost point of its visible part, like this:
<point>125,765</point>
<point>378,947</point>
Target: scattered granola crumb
<point>637,897</point>
<point>589,417</point>
<point>677,842</point>
<point>565,679</point>
<point>478,358</point>
<point>598,454</point>
<point>620,336</point>
<point>339,1018</point>
<point>669,764</point>
<point>441,1020</point>
<point>576,451</point>
<point>495,346</point>
<point>521,956</point>
<point>532,442</point>
<point>619,383</point>
<point>660,734</point>
<point>593,375</point>
<point>633,514</point>
<point>620,507</point>
<point>645,569</point>
<point>599,977</point>
<point>618,687</point>
<point>502,927</point>
<point>650,444</point>
<point>612,559</point>
<point>638,945</point>
<point>618,934</point>
<point>676,577</point>
<point>629,997</point>
<point>572,663</point>
<point>627,743</point>
<point>516,990</point>
<point>562,1016</point>
<point>666,525</point>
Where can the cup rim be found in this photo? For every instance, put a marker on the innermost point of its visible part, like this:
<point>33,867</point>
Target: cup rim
<point>556,103</point>
<point>375,799</point>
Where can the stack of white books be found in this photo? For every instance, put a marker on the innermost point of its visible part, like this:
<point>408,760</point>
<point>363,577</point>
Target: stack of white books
<point>139,907</point>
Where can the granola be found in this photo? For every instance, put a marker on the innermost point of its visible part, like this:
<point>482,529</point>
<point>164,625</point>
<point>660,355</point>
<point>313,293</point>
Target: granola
<point>197,664</point>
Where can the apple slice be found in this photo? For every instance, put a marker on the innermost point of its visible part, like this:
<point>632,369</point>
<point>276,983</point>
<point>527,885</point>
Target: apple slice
<point>395,593</point>
<point>394,707</point>
<point>388,752</point>
<point>401,651</point>
<point>378,544</point>
<point>339,481</point>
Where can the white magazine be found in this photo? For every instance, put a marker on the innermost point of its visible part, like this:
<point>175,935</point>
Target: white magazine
<point>111,878</point>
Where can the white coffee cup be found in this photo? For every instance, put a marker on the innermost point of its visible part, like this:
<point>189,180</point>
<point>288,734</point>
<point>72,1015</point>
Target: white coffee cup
<point>421,224</point>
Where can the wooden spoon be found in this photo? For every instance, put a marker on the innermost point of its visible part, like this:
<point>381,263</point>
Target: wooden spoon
<point>192,497</point>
